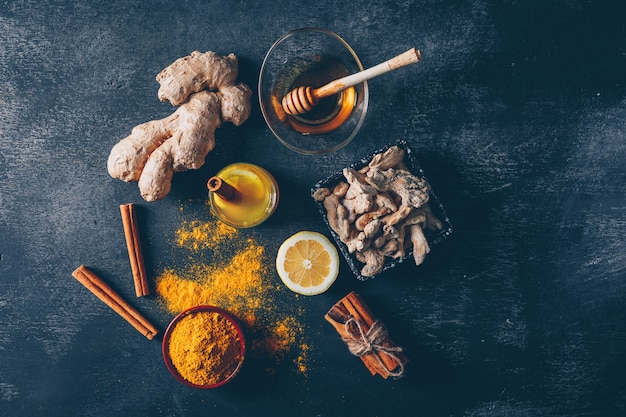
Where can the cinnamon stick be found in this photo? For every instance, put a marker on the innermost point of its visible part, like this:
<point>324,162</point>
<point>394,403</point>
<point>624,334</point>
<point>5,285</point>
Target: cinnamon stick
<point>137,265</point>
<point>220,187</point>
<point>107,295</point>
<point>355,305</point>
<point>366,336</point>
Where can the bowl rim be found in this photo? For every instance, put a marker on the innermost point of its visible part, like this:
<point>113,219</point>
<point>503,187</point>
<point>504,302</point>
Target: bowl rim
<point>266,116</point>
<point>204,308</point>
<point>433,238</point>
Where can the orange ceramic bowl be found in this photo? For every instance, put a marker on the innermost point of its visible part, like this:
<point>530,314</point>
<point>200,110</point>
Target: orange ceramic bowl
<point>190,350</point>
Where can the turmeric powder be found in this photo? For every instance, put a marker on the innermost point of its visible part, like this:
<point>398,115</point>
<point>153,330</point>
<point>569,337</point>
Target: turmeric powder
<point>196,235</point>
<point>237,286</point>
<point>205,348</point>
<point>231,271</point>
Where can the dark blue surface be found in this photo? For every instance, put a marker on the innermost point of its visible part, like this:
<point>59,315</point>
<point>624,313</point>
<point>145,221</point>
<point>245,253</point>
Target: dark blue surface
<point>516,113</point>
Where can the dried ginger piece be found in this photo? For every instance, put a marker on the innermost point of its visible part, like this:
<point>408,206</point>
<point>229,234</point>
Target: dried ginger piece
<point>205,85</point>
<point>380,211</point>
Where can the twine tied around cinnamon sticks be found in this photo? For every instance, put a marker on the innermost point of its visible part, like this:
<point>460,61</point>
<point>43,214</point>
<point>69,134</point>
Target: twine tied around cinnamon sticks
<point>371,341</point>
<point>367,337</point>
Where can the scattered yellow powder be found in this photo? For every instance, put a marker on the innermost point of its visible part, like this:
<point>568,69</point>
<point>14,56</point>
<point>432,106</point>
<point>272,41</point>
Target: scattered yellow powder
<point>282,335</point>
<point>237,286</point>
<point>302,359</point>
<point>234,275</point>
<point>196,235</point>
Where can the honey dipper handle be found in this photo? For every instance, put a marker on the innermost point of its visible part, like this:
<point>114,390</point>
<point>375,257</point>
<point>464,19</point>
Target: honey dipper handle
<point>409,57</point>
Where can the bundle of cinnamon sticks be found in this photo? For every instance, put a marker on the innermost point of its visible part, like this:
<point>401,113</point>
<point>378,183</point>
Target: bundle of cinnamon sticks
<point>366,337</point>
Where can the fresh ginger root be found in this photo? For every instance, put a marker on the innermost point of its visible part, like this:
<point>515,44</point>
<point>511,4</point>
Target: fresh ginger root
<point>205,84</point>
<point>196,72</point>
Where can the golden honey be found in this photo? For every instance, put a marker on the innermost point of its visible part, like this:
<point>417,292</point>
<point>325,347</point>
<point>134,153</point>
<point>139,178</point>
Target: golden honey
<point>330,112</point>
<point>256,195</point>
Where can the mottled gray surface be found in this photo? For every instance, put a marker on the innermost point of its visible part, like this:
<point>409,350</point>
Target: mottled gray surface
<point>517,114</point>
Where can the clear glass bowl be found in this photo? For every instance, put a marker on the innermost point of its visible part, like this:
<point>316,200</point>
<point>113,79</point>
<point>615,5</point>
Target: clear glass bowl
<point>313,57</point>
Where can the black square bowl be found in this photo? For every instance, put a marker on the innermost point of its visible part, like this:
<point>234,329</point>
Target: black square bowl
<point>432,237</point>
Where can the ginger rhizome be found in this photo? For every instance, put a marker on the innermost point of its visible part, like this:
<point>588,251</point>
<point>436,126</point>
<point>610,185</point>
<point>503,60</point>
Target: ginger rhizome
<point>204,86</point>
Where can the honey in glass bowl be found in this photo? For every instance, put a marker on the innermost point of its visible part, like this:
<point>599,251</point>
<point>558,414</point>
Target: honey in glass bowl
<point>243,194</point>
<point>312,57</point>
<point>315,71</point>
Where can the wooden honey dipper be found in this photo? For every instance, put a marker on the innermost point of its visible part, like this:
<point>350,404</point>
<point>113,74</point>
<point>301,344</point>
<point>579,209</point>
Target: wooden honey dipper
<point>302,99</point>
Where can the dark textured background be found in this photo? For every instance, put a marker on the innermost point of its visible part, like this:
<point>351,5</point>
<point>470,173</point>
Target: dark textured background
<point>517,114</point>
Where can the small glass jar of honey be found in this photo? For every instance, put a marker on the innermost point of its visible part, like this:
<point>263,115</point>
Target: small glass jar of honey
<point>243,194</point>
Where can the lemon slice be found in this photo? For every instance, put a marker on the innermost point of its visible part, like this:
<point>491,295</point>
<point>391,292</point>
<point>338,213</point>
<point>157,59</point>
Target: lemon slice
<point>307,263</point>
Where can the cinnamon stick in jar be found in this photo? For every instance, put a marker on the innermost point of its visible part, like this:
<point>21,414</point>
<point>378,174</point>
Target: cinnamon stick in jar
<point>137,265</point>
<point>108,296</point>
<point>220,187</point>
<point>367,337</point>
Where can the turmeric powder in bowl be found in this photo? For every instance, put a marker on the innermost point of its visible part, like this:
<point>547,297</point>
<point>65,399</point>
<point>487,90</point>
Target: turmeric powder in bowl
<point>203,347</point>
